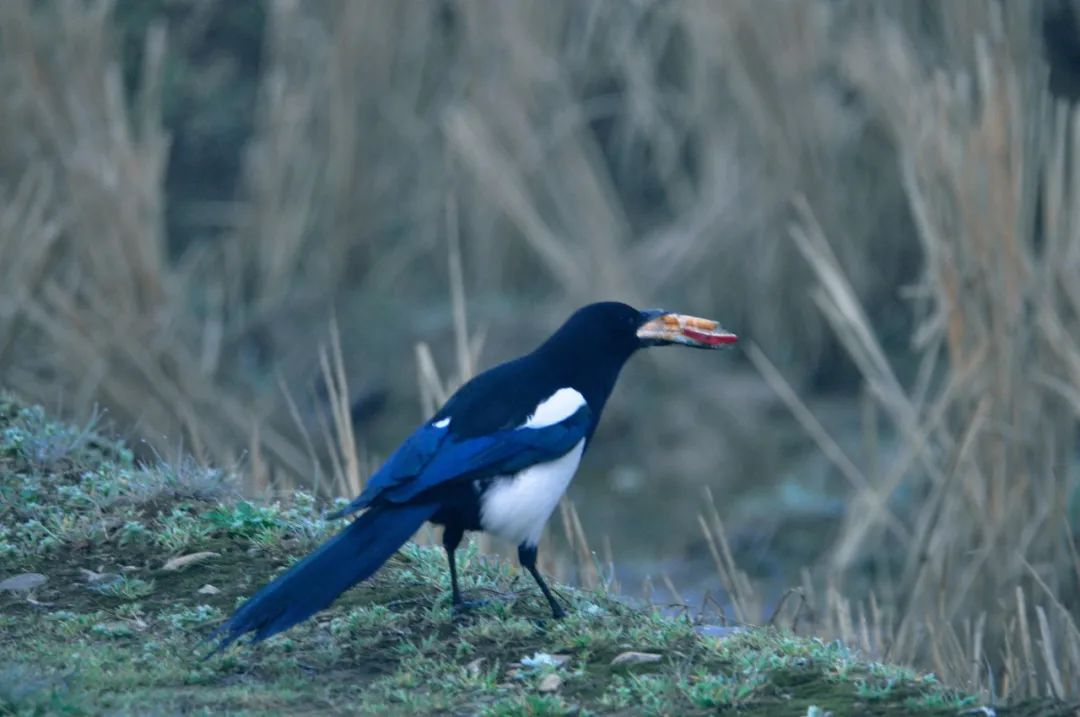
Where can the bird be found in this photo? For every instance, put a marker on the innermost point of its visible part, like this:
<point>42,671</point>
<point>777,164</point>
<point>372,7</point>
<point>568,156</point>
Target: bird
<point>496,457</point>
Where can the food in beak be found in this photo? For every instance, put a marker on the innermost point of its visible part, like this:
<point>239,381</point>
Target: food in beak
<point>686,330</point>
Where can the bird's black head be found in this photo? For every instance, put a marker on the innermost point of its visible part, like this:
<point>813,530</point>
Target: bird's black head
<point>589,350</point>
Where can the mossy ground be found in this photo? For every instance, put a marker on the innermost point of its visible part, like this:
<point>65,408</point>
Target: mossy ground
<point>113,632</point>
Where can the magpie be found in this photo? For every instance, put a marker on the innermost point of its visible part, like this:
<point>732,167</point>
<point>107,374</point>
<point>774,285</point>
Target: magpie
<point>496,457</point>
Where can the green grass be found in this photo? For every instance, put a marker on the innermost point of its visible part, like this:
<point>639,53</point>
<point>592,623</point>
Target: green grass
<point>112,631</point>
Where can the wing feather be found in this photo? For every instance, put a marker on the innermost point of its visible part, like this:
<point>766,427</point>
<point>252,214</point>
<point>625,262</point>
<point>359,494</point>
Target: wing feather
<point>433,457</point>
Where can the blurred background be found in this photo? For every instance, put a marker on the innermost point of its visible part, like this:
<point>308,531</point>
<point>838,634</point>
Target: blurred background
<point>274,234</point>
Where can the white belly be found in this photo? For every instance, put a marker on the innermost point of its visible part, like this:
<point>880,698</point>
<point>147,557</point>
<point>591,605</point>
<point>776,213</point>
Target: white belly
<point>517,507</point>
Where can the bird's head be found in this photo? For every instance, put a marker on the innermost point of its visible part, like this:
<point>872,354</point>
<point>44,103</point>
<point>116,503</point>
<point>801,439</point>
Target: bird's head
<point>622,329</point>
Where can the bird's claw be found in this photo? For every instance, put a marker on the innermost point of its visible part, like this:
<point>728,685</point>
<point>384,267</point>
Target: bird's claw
<point>463,607</point>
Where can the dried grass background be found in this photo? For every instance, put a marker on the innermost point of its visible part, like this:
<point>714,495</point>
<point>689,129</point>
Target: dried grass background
<point>883,197</point>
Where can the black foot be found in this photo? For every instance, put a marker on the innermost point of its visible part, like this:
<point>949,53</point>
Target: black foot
<point>463,607</point>
<point>527,558</point>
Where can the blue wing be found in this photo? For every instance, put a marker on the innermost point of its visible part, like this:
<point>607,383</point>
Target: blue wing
<point>433,456</point>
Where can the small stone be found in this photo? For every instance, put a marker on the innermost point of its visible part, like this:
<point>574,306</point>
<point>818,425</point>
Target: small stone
<point>636,658</point>
<point>24,582</point>
<point>542,659</point>
<point>550,683</point>
<point>815,711</point>
<point>208,589</point>
<point>474,667</point>
<point>105,580</point>
<point>92,577</point>
<point>185,560</point>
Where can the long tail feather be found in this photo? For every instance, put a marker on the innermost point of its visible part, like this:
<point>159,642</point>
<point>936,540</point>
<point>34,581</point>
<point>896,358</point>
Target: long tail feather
<point>312,584</point>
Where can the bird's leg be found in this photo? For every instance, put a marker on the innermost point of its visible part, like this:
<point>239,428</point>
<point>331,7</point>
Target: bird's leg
<point>527,558</point>
<point>455,594</point>
<point>451,539</point>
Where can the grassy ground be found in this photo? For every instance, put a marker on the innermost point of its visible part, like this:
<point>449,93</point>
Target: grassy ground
<point>114,628</point>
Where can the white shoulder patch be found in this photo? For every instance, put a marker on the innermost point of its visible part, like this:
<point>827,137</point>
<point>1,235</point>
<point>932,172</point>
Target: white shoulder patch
<point>442,424</point>
<point>555,408</point>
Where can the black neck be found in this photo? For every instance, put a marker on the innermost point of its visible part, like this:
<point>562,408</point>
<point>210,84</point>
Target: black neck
<point>590,371</point>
